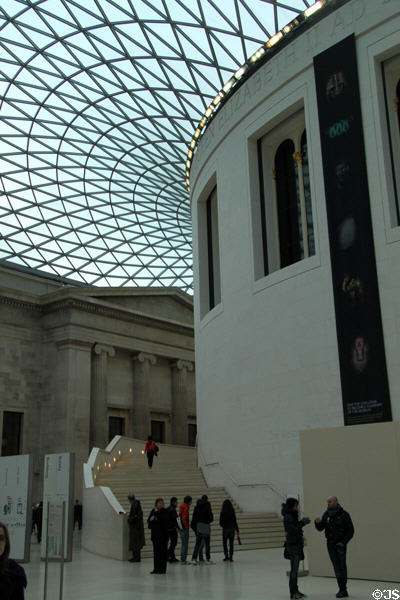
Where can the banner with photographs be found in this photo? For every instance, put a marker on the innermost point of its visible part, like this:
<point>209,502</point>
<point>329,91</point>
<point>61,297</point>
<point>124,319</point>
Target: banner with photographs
<point>15,503</point>
<point>365,389</point>
<point>57,490</point>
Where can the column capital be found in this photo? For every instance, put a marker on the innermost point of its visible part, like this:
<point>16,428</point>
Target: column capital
<point>143,357</point>
<point>100,348</point>
<point>182,364</point>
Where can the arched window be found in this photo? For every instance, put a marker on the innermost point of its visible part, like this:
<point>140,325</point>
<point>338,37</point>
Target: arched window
<point>288,205</point>
<point>285,234</point>
<point>208,248</point>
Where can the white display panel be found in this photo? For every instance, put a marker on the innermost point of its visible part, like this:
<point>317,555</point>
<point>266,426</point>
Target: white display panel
<point>15,502</point>
<point>58,488</point>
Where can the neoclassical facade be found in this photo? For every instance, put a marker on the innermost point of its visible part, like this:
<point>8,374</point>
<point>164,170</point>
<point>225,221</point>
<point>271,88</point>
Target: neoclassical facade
<point>80,364</point>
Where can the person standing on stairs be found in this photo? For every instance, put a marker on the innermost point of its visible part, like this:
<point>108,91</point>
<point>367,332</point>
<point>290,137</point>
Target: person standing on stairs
<point>158,523</point>
<point>228,522</point>
<point>151,449</point>
<point>136,528</point>
<point>172,529</point>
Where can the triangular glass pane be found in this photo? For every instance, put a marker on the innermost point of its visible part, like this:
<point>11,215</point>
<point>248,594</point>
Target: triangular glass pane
<point>115,12</point>
<point>184,14</point>
<point>249,25</point>
<point>105,48</point>
<point>133,39</point>
<point>163,50</point>
<point>88,18</point>
<point>195,44</point>
<point>228,51</point>
<point>146,13</point>
<point>38,39</point>
<point>216,20</point>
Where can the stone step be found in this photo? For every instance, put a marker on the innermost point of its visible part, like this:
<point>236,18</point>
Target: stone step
<point>175,473</point>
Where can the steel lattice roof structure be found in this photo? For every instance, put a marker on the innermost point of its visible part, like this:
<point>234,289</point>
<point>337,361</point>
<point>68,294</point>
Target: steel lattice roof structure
<point>98,103</point>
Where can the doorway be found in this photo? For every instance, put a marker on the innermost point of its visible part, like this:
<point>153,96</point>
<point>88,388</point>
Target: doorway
<point>12,433</point>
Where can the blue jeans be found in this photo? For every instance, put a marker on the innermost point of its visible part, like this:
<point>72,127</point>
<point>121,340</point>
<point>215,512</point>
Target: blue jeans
<point>184,533</point>
<point>337,554</point>
<point>201,538</point>
<point>294,553</point>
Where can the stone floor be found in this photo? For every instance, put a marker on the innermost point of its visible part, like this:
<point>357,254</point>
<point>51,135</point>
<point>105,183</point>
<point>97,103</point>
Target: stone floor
<point>255,575</point>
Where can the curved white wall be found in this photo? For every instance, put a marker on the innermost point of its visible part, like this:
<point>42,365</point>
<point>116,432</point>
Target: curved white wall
<point>266,356</point>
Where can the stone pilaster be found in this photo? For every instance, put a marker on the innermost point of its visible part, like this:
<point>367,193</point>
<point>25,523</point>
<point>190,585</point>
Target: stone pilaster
<point>141,394</point>
<point>66,420</point>
<point>180,400</point>
<point>99,422</point>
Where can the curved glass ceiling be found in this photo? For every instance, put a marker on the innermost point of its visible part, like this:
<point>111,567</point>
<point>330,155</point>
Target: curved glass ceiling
<point>98,104</point>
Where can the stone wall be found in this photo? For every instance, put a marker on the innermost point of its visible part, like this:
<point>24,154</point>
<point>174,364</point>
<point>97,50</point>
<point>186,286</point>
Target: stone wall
<point>72,356</point>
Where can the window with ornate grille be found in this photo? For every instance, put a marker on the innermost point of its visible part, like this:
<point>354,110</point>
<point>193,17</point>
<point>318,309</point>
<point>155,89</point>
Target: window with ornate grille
<point>391,79</point>
<point>285,195</point>
<point>209,258</point>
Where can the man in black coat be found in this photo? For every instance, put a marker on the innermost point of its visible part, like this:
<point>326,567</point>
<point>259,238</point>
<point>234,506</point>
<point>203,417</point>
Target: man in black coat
<point>339,530</point>
<point>136,528</point>
<point>172,529</point>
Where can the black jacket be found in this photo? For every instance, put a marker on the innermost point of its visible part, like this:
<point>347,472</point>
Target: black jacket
<point>227,520</point>
<point>338,526</point>
<point>172,516</point>
<point>12,582</point>
<point>293,528</point>
<point>202,514</point>
<point>159,525</point>
<point>136,527</point>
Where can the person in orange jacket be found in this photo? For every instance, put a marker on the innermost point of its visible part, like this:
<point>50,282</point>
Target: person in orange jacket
<point>184,532</point>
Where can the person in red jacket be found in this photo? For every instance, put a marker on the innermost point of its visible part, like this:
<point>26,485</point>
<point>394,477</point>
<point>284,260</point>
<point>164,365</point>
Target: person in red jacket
<point>150,449</point>
<point>184,532</point>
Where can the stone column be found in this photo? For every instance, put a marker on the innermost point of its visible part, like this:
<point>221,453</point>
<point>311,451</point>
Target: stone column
<point>65,416</point>
<point>99,422</point>
<point>141,394</point>
<point>180,400</point>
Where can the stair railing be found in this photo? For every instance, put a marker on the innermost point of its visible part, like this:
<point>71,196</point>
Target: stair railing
<point>239,484</point>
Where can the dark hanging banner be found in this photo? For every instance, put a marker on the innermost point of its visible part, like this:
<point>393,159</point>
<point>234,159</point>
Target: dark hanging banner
<point>365,389</point>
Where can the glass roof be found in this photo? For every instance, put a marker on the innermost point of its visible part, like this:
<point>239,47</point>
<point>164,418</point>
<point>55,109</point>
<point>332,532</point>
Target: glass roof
<point>98,104</point>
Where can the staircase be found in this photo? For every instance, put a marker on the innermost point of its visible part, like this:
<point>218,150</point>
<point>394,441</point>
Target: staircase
<point>175,473</point>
